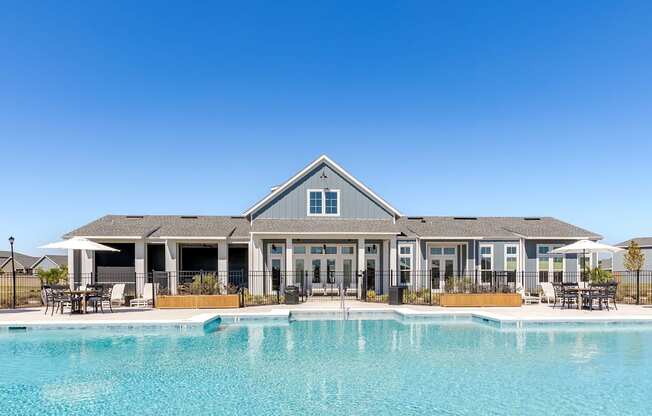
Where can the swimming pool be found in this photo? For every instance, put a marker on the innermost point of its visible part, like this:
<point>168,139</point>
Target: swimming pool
<point>446,366</point>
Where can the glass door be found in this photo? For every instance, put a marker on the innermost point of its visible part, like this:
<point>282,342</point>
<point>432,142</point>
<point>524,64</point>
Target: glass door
<point>276,265</point>
<point>443,262</point>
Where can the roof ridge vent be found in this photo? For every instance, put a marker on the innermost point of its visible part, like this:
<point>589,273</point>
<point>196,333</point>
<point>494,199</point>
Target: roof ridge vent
<point>189,217</point>
<point>532,218</point>
<point>134,216</point>
<point>465,218</point>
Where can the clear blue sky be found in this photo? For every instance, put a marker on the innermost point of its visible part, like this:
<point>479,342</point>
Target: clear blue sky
<point>443,108</point>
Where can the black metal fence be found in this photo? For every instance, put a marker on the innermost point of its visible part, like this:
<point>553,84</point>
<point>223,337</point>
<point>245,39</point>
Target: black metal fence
<point>270,287</point>
<point>25,292</point>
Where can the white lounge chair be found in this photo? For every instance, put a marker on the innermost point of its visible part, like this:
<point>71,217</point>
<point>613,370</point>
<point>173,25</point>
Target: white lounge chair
<point>147,298</point>
<point>528,298</point>
<point>548,292</point>
<point>117,296</point>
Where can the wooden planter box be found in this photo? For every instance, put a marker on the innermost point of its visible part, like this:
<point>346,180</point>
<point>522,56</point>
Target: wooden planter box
<point>198,301</point>
<point>480,299</point>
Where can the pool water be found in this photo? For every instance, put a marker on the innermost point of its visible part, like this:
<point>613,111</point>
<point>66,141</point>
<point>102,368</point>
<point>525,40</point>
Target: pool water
<point>355,367</point>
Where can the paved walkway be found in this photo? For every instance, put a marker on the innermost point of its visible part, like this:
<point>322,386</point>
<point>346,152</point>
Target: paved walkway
<point>139,316</point>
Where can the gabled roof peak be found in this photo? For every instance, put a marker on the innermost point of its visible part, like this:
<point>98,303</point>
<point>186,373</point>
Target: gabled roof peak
<point>337,168</point>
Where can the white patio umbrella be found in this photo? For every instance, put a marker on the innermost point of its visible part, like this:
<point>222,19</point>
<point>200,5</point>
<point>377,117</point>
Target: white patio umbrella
<point>79,243</point>
<point>586,246</point>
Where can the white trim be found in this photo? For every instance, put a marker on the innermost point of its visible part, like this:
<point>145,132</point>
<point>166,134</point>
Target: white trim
<point>551,268</point>
<point>323,203</point>
<point>480,256</point>
<point>166,237</point>
<point>452,238</point>
<point>562,238</point>
<point>110,237</point>
<point>321,233</point>
<point>304,171</point>
<point>409,256</point>
<point>517,255</point>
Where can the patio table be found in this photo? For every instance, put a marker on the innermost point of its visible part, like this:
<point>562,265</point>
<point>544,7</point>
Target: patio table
<point>83,295</point>
<point>582,293</point>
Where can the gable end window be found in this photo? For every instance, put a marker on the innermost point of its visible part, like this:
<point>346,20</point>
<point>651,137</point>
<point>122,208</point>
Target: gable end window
<point>324,202</point>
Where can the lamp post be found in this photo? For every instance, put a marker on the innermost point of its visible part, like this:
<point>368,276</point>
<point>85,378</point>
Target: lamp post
<point>13,272</point>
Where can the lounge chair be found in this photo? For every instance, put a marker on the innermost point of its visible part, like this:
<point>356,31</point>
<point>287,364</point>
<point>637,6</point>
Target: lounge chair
<point>548,293</point>
<point>527,297</point>
<point>147,298</point>
<point>115,296</point>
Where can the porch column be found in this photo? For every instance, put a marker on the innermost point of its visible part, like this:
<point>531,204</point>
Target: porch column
<point>87,266</point>
<point>289,264</point>
<point>71,268</point>
<point>139,266</point>
<point>362,264</point>
<point>256,267</point>
<point>171,264</point>
<point>360,261</point>
<point>384,283</point>
<point>223,263</point>
<point>392,260</point>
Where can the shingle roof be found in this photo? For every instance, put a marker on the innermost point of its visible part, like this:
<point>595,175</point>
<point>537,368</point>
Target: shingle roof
<point>494,227</point>
<point>158,226</point>
<point>641,241</point>
<point>60,259</point>
<point>163,226</point>
<point>25,260</point>
<point>324,225</point>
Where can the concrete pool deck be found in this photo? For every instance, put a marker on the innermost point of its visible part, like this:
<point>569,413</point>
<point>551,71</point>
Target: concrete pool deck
<point>133,316</point>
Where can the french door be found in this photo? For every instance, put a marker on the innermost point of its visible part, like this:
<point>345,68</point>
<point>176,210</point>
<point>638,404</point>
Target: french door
<point>443,262</point>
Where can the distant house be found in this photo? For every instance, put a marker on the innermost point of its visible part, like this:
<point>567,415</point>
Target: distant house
<point>26,264</point>
<point>23,262</point>
<point>50,261</point>
<point>646,248</point>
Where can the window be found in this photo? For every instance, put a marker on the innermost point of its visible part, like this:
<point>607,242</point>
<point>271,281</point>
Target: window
<point>449,251</point>
<point>435,251</point>
<point>405,263</point>
<point>299,249</point>
<point>331,250</point>
<point>550,267</point>
<point>276,249</point>
<point>511,262</point>
<point>316,250</point>
<point>323,202</point>
<point>315,207</point>
<point>331,202</point>
<point>371,249</point>
<point>347,250</point>
<point>511,258</point>
<point>486,263</point>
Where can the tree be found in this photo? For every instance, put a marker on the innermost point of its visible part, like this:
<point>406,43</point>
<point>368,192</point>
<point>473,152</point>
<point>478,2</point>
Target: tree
<point>634,258</point>
<point>53,276</point>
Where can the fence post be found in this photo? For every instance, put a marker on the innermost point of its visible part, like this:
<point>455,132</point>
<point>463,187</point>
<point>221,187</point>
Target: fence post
<point>153,291</point>
<point>638,287</point>
<point>429,286</point>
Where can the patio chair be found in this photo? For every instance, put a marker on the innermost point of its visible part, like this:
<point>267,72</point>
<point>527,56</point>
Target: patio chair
<point>527,297</point>
<point>548,293</point>
<point>568,295</point>
<point>609,293</point>
<point>115,296</point>
<point>47,297</point>
<point>147,297</point>
<point>61,299</point>
<point>96,299</point>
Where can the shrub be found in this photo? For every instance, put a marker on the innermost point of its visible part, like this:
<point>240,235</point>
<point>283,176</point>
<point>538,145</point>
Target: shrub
<point>53,276</point>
